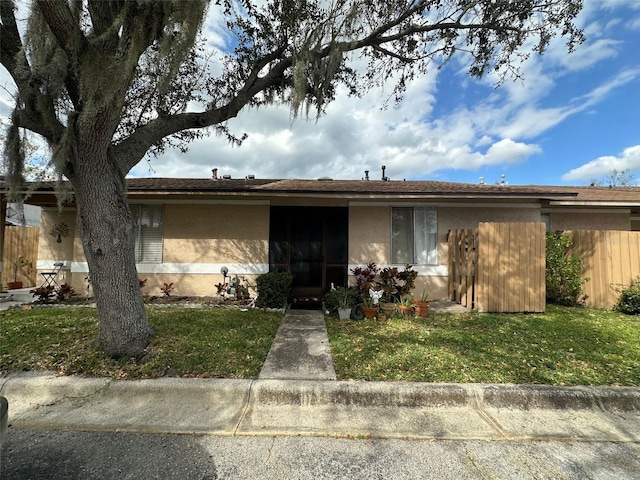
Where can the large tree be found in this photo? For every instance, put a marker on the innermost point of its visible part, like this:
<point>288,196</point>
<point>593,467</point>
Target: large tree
<point>106,82</point>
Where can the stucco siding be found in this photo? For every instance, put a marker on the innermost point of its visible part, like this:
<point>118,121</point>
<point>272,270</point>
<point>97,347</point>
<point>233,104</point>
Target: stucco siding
<point>48,248</point>
<point>590,221</point>
<point>191,285</point>
<point>216,234</point>
<point>369,235</point>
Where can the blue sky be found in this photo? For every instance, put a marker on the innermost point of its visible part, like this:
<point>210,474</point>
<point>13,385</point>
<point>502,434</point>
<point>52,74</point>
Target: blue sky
<point>573,118</point>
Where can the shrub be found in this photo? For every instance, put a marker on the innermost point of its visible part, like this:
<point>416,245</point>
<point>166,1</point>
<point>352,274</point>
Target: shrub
<point>44,294</point>
<point>395,283</point>
<point>365,280</point>
<point>65,292</point>
<point>563,274</point>
<point>629,300</point>
<point>274,289</point>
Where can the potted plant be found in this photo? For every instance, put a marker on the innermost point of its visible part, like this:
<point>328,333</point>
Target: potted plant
<point>387,283</point>
<point>370,301</point>
<point>406,304</point>
<point>340,299</point>
<point>369,307</point>
<point>422,305</point>
<point>20,263</point>
<point>388,308</point>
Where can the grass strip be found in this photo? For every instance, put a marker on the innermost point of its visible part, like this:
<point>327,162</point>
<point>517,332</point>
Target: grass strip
<point>188,342</point>
<point>564,346</point>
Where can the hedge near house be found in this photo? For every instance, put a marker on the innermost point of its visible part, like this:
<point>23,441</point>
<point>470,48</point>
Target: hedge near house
<point>564,279</point>
<point>274,289</point>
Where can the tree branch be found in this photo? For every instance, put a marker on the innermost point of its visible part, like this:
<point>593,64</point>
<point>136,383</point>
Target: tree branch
<point>10,42</point>
<point>64,27</point>
<point>35,110</point>
<point>131,150</point>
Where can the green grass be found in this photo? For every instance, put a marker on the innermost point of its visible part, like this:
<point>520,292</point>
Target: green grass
<point>188,342</point>
<point>565,346</point>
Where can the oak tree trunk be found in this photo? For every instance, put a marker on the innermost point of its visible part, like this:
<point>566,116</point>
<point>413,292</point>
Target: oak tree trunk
<point>108,237</point>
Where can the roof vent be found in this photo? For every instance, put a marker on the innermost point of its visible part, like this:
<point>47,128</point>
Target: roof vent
<point>481,180</point>
<point>226,177</point>
<point>384,177</point>
<point>366,175</point>
<point>250,177</point>
<point>214,174</point>
<point>325,179</point>
<point>503,181</point>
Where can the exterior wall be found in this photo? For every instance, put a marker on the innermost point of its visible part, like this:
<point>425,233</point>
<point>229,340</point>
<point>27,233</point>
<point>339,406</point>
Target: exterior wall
<point>197,241</point>
<point>577,220</point>
<point>236,234</point>
<point>369,235</point>
<point>50,252</point>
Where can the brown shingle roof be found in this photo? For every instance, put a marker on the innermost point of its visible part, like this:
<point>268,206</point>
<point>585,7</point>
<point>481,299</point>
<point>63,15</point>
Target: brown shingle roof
<point>338,187</point>
<point>373,188</point>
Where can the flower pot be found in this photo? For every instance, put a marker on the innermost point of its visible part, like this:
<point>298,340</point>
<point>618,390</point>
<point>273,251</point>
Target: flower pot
<point>14,285</point>
<point>422,308</point>
<point>344,313</point>
<point>369,312</point>
<point>388,309</point>
<point>406,310</point>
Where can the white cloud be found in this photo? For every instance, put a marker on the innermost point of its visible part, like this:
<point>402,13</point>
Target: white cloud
<point>589,54</point>
<point>633,24</point>
<point>485,127</point>
<point>601,166</point>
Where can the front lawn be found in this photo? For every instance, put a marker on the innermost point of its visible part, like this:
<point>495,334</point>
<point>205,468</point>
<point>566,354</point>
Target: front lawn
<point>565,346</point>
<point>189,342</point>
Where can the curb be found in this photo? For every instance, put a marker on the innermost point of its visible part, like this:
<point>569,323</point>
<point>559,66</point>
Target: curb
<point>324,408</point>
<point>434,395</point>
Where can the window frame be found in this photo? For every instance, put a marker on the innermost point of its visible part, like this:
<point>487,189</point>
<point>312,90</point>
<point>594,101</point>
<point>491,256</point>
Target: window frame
<point>432,255</point>
<point>149,244</point>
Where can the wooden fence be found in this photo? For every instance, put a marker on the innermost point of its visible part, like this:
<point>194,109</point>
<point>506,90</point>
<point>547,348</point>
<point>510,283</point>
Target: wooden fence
<point>20,241</point>
<point>499,267</point>
<point>611,260</point>
<point>462,264</point>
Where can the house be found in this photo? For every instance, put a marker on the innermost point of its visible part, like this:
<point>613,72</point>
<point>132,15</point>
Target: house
<point>189,229</point>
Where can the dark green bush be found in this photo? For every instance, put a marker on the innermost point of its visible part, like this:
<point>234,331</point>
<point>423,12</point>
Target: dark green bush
<point>274,289</point>
<point>629,300</point>
<point>563,274</point>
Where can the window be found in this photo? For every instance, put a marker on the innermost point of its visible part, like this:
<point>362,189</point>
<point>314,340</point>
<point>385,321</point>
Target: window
<point>546,218</point>
<point>414,235</point>
<point>149,232</point>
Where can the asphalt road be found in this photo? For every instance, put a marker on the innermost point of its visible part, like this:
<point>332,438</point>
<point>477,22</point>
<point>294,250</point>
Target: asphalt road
<point>37,454</point>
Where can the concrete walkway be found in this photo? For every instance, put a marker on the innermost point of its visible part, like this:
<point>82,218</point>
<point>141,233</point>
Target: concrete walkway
<point>300,350</point>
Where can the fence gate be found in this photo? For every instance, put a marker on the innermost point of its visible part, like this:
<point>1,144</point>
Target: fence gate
<point>498,267</point>
<point>20,242</point>
<point>462,264</point>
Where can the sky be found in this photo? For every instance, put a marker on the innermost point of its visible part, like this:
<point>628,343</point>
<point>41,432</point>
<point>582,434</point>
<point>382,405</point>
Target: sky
<point>573,118</point>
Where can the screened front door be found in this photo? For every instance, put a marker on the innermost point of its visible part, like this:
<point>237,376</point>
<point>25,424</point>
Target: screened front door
<point>311,243</point>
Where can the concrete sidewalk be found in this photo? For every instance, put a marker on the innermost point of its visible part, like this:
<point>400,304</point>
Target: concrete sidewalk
<point>324,408</point>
